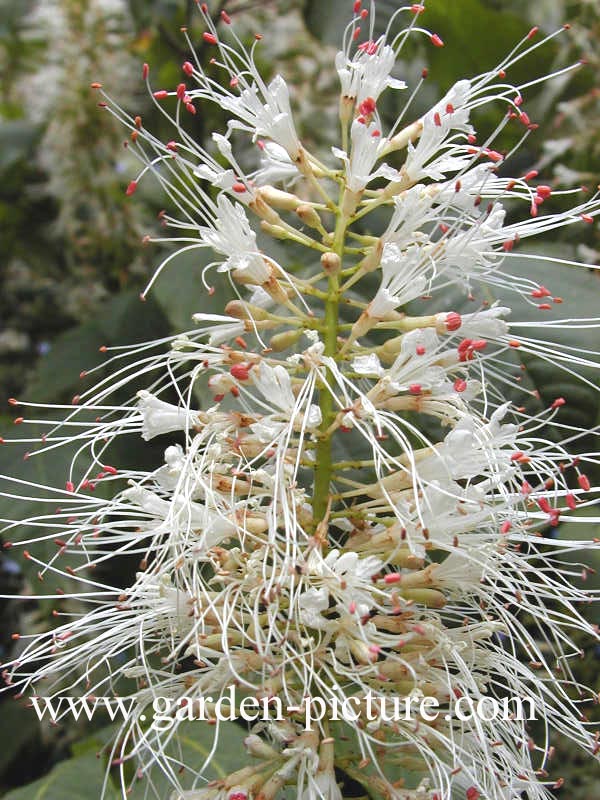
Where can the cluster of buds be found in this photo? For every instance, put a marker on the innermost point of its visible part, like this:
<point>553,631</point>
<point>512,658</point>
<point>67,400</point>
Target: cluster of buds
<point>307,535</point>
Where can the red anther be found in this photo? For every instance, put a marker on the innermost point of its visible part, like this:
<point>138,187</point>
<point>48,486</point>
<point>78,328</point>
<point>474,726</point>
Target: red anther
<point>435,39</point>
<point>526,488</point>
<point>96,85</point>
<point>209,37</point>
<point>560,401</point>
<point>18,420</point>
<point>587,218</point>
<point>505,527</point>
<point>443,227</point>
<point>352,607</point>
<point>473,793</point>
<point>357,5</point>
<point>145,71</point>
<point>234,81</point>
<point>234,391</point>
<point>471,138</point>
<point>180,91</point>
<point>138,122</point>
<point>538,200</point>
<point>367,106</point>
<point>544,505</point>
<point>424,73</point>
<point>533,210</point>
<point>218,397</point>
<point>557,300</point>
<point>370,47</point>
<point>508,245</point>
<point>517,456</point>
<point>518,100</point>
<point>479,344</point>
<point>571,501</point>
<point>133,136</point>
<point>524,118</point>
<point>12,401</point>
<point>171,146</point>
<point>453,321</point>
<point>501,73</point>
<point>420,350</point>
<point>544,306</point>
<point>161,94</point>
<point>460,385</point>
<point>240,371</point>
<point>514,343</point>
<point>533,32</point>
<point>239,188</point>
<point>355,36</point>
<point>191,108</point>
<point>110,470</point>
<point>533,173</point>
<point>364,13</point>
<point>376,133</point>
<point>187,67</point>
<point>417,8</point>
<point>226,18</point>
<point>70,486</point>
<point>544,191</point>
<point>241,342</point>
<point>392,577</point>
<point>131,188</point>
<point>437,120</point>
<point>541,291</point>
<point>584,482</point>
<point>415,388</point>
<point>457,186</point>
<point>75,400</point>
<point>449,108</point>
<point>494,156</point>
<point>15,636</point>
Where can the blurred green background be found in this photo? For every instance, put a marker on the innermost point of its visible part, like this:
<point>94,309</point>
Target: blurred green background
<point>72,263</point>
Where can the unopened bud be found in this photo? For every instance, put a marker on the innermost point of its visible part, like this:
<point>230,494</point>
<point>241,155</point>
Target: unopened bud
<point>331,263</point>
<point>241,310</point>
<point>281,341</point>
<point>276,231</point>
<point>279,199</point>
<point>309,216</point>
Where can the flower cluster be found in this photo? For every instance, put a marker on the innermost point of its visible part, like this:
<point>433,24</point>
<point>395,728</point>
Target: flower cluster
<point>351,499</point>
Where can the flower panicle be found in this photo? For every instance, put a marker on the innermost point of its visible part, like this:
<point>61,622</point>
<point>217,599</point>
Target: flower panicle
<point>358,492</point>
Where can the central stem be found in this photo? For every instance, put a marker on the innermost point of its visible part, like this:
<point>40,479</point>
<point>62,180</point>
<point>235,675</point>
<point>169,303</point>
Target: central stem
<point>323,467</point>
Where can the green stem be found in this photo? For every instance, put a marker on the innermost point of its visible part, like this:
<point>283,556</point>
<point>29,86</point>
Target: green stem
<point>324,466</point>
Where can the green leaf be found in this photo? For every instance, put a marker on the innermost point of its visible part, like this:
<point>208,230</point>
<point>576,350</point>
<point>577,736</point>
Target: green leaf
<point>124,320</point>
<point>179,290</point>
<point>75,779</point>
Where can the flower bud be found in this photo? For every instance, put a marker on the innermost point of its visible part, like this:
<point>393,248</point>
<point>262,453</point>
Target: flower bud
<point>331,263</point>
<point>281,341</point>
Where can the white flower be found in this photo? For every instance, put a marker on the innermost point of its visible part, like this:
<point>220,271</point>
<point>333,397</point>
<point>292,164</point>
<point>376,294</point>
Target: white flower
<point>159,417</point>
<point>438,149</point>
<point>403,280</point>
<point>368,72</point>
<point>366,148</point>
<point>232,236</point>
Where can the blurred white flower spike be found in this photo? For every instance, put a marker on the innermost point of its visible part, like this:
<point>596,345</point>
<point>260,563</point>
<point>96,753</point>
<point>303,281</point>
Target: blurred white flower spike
<point>308,536</point>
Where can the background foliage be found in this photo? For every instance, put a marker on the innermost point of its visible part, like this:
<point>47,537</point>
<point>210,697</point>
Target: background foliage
<point>72,263</point>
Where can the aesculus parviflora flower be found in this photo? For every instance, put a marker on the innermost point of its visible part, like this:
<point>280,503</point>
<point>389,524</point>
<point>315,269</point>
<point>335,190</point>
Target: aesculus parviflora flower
<point>305,536</point>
